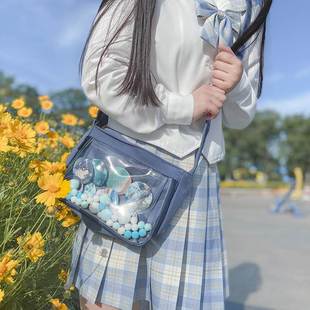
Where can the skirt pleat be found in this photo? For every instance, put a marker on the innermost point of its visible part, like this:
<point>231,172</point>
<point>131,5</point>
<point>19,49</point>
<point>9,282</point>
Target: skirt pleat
<point>183,268</point>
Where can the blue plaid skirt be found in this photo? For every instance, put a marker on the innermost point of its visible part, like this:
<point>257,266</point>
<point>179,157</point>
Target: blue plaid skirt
<point>184,268</point>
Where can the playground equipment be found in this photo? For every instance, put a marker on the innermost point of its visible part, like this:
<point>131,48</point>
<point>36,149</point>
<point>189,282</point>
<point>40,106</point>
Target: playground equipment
<point>293,194</point>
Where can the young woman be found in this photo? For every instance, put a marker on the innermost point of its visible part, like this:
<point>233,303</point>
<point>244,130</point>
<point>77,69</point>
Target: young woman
<point>159,69</point>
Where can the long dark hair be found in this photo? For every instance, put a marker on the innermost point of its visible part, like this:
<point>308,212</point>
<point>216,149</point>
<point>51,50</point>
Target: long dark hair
<point>137,81</point>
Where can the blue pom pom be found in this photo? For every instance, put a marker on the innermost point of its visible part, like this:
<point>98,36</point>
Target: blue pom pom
<point>84,204</point>
<point>141,224</point>
<point>148,226</point>
<point>135,234</point>
<point>104,198</point>
<point>74,183</point>
<point>79,195</point>
<point>105,214</point>
<point>127,234</point>
<point>101,206</point>
<point>116,225</point>
<point>74,192</point>
<point>142,232</point>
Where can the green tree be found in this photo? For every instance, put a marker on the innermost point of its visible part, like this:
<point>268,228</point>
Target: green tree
<point>251,146</point>
<point>297,141</point>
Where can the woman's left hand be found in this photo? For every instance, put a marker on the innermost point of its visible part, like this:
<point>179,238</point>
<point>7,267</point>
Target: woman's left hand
<point>227,69</point>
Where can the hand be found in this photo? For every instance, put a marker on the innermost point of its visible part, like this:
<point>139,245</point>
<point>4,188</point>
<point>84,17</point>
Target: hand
<point>227,69</point>
<point>208,99</point>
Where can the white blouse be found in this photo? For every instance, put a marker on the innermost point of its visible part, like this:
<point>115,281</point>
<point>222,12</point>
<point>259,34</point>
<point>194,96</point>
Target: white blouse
<point>181,62</point>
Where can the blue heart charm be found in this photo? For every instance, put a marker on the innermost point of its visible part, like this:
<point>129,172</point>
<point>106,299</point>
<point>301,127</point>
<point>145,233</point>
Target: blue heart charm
<point>100,172</point>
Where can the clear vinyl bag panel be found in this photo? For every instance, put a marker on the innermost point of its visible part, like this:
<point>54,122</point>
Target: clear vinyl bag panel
<point>114,190</point>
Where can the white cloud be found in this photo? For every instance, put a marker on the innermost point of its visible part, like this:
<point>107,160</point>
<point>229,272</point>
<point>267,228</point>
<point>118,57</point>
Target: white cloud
<point>299,104</point>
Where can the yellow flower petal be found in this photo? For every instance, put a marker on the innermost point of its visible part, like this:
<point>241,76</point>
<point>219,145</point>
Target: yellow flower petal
<point>93,111</point>
<point>42,127</point>
<point>69,119</point>
<point>1,295</point>
<point>18,104</point>
<point>24,112</point>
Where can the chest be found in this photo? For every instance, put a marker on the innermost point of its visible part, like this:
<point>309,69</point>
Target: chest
<point>179,57</point>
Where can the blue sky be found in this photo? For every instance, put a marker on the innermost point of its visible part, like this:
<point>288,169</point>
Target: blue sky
<point>41,42</point>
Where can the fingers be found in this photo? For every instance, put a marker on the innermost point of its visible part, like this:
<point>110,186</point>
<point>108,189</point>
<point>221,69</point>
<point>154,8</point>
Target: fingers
<point>222,66</point>
<point>216,89</point>
<point>220,96</point>
<point>225,48</point>
<point>225,57</point>
<point>220,83</point>
<point>216,102</point>
<point>221,75</point>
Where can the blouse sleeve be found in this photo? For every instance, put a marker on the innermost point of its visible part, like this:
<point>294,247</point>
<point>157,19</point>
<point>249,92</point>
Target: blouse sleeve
<point>240,105</point>
<point>175,108</point>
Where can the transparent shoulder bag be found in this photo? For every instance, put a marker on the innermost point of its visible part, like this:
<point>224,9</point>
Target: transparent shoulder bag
<point>122,190</point>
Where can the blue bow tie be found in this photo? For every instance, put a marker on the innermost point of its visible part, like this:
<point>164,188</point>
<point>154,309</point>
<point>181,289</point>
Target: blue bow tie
<point>223,20</point>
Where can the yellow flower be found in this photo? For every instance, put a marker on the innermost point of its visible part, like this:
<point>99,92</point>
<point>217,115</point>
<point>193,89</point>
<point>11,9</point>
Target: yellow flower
<point>2,108</point>
<point>42,144</point>
<point>53,138</point>
<point>62,211</point>
<point>32,245</point>
<point>24,112</point>
<point>63,275</point>
<point>81,122</point>
<point>70,220</point>
<point>39,167</point>
<point>1,295</point>
<point>50,211</point>
<point>54,187</point>
<point>21,138</point>
<point>67,141</point>
<point>53,135</point>
<point>46,104</point>
<point>4,144</point>
<point>65,215</point>
<point>53,167</point>
<point>7,268</point>
<point>64,157</point>
<point>93,111</point>
<point>42,127</point>
<point>42,98</point>
<point>69,119</point>
<point>57,305</point>
<point>35,165</point>
<point>18,104</point>
<point>5,120</point>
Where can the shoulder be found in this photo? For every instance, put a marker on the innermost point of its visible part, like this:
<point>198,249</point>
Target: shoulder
<point>110,18</point>
<point>117,10</point>
<point>255,6</point>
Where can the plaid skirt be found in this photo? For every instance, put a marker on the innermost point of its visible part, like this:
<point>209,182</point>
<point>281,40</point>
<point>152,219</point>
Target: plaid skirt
<point>183,268</point>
